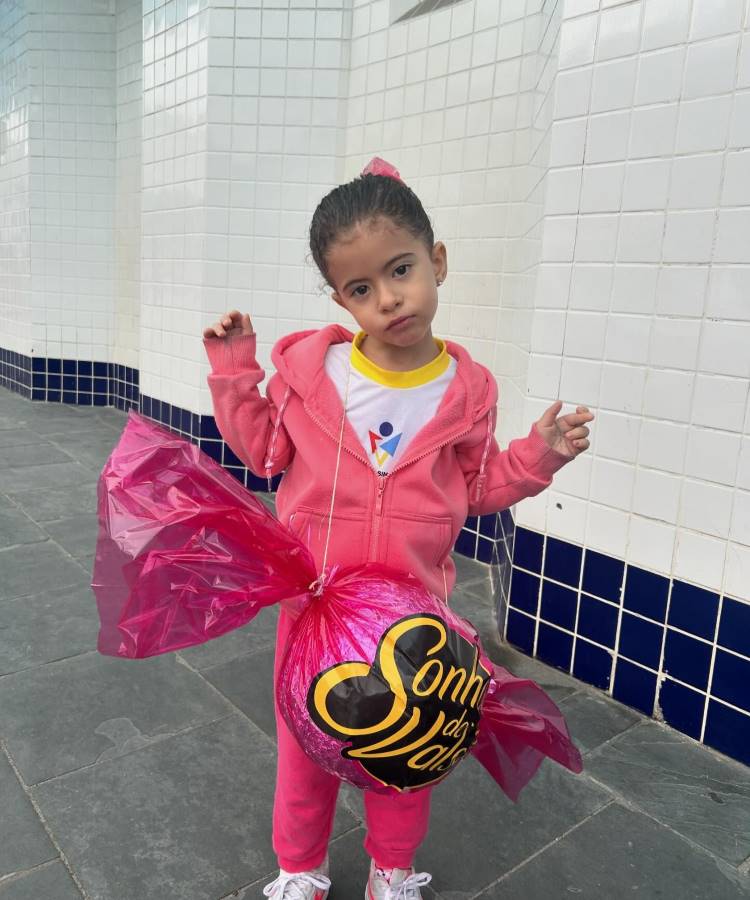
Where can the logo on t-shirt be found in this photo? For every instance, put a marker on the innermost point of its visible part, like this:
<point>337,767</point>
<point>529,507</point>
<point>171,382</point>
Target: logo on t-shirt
<point>383,443</point>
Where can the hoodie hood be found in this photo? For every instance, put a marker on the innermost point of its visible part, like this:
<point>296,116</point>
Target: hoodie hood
<point>299,359</point>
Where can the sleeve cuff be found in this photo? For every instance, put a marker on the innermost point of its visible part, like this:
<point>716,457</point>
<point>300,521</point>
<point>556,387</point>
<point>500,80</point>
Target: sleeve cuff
<point>548,460</point>
<point>229,356</point>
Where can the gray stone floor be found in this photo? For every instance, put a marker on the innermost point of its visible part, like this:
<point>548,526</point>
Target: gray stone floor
<point>153,780</point>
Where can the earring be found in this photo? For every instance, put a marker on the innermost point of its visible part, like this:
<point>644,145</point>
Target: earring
<point>439,282</point>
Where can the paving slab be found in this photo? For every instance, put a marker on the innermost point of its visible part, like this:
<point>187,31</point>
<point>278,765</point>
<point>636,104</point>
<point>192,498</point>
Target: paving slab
<point>248,682</point>
<point>17,528</point>
<point>470,572</point>
<point>619,854</point>
<point>24,842</point>
<point>556,683</point>
<point>593,719</point>
<point>89,448</point>
<point>477,608</point>
<point>51,504</point>
<point>17,437</point>
<point>16,480</point>
<point>256,635</point>
<point>72,713</point>
<point>35,568</point>
<point>700,795</point>
<point>477,834</point>
<point>38,454</point>
<point>59,623</point>
<point>75,534</point>
<point>49,418</point>
<point>194,811</point>
<point>48,882</point>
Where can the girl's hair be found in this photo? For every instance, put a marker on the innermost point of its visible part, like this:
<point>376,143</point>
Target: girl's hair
<point>365,198</point>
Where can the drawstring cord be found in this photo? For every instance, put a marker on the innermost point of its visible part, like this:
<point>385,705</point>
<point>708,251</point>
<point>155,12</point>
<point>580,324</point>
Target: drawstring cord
<point>268,465</point>
<point>324,578</point>
<point>488,441</point>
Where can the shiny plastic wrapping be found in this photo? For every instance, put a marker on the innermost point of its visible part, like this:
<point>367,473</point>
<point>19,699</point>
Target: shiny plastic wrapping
<point>381,683</point>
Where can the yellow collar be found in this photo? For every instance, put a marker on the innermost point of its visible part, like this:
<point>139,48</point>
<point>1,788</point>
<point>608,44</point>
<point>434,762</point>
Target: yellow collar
<point>386,377</point>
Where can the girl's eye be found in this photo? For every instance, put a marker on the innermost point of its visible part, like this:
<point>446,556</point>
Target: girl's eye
<point>360,291</point>
<point>402,269</point>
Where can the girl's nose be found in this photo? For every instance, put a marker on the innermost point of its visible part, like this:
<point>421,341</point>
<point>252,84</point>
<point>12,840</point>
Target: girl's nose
<point>389,300</point>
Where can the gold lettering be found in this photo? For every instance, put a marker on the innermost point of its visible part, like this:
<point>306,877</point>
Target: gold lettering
<point>452,672</point>
<point>475,681</point>
<point>369,752</point>
<point>335,676</point>
<point>437,751</point>
<point>452,727</point>
<point>465,686</point>
<point>422,673</point>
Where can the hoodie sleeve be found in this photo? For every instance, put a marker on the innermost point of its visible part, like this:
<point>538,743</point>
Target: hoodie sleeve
<point>248,422</point>
<point>495,478</point>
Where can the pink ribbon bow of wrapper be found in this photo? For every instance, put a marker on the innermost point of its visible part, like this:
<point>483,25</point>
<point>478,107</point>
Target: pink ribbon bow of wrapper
<point>381,683</point>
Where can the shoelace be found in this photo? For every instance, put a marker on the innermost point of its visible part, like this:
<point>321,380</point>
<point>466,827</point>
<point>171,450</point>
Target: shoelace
<point>296,885</point>
<point>409,887</point>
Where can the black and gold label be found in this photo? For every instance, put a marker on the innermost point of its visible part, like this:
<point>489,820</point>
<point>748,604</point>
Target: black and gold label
<point>413,714</point>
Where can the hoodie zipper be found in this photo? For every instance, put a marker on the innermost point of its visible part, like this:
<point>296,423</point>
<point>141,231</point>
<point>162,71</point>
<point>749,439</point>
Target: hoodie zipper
<point>375,539</point>
<point>381,479</point>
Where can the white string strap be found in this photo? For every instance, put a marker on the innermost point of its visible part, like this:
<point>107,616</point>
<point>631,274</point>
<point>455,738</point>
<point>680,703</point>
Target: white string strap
<point>485,454</point>
<point>268,465</point>
<point>317,586</point>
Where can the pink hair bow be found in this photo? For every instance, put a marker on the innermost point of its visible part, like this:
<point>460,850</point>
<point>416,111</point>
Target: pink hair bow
<point>378,166</point>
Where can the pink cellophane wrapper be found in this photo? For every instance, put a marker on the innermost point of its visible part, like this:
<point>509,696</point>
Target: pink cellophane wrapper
<point>381,683</point>
<point>184,553</point>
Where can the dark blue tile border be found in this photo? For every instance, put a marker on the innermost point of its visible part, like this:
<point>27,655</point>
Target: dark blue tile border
<point>592,664</point>
<point>79,382</point>
<point>635,686</point>
<point>728,731</point>
<point>693,609</point>
<point>682,708</point>
<point>640,629</point>
<point>640,640</point>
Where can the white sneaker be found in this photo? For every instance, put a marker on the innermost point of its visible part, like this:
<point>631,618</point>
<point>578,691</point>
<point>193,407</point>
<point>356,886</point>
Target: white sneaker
<point>300,885</point>
<point>395,884</point>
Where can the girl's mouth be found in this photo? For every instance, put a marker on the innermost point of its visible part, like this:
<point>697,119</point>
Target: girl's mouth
<point>399,323</point>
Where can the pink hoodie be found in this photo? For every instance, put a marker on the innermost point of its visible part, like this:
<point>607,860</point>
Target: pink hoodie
<point>409,519</point>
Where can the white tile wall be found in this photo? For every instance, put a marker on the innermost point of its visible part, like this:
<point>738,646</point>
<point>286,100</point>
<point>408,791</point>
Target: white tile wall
<point>15,178</point>
<point>71,53</point>
<point>125,338</point>
<point>645,267</point>
<point>270,137</point>
<point>586,162</point>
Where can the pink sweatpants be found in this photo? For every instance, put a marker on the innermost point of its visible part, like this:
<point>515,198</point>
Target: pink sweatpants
<point>305,803</point>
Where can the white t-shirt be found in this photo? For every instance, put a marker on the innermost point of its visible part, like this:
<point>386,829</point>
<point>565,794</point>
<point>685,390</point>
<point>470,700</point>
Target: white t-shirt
<point>385,408</point>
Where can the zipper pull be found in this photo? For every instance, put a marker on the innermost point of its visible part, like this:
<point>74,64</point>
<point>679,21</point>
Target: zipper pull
<point>381,489</point>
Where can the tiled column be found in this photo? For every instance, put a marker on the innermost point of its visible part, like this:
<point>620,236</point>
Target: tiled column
<point>67,310</point>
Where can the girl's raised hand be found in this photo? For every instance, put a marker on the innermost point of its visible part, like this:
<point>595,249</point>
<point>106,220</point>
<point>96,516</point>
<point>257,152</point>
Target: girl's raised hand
<point>566,434</point>
<point>230,325</point>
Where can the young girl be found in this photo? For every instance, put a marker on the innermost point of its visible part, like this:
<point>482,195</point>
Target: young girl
<point>415,417</point>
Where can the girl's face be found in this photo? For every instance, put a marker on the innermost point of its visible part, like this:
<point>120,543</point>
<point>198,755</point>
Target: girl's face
<point>387,279</point>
